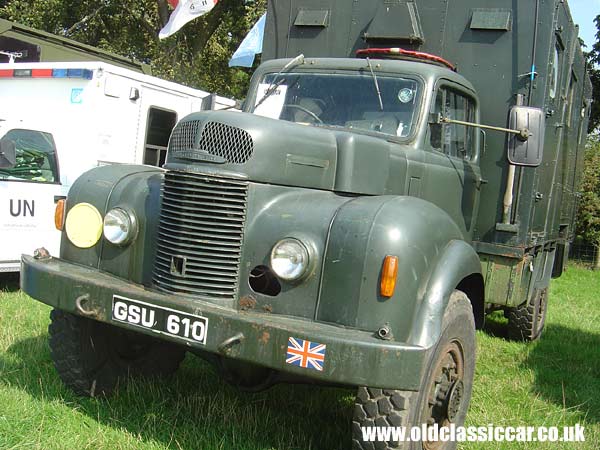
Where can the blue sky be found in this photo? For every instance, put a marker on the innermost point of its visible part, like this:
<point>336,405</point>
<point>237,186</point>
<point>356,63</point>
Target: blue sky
<point>584,12</point>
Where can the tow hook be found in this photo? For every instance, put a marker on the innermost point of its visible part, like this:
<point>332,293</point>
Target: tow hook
<point>80,305</point>
<point>225,346</point>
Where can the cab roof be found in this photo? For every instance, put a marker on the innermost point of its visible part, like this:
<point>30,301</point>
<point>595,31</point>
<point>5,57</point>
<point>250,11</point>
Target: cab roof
<point>420,69</point>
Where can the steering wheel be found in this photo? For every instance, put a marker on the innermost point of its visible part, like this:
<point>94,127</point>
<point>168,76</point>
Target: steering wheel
<point>305,110</point>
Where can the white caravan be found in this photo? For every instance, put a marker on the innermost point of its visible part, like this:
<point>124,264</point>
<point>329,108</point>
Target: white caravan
<point>65,118</point>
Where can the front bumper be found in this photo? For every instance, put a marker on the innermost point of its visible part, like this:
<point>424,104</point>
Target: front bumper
<point>352,357</point>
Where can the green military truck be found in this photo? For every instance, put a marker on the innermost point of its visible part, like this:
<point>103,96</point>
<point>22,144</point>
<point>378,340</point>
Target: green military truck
<point>352,226</point>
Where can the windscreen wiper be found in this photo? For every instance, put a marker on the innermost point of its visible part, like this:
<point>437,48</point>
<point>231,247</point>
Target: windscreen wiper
<point>274,86</point>
<point>376,83</point>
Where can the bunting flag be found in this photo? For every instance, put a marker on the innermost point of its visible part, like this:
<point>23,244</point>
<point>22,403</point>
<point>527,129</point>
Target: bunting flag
<point>185,11</point>
<point>250,46</point>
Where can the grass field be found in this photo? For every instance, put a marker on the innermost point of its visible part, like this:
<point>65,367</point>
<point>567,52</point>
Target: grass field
<point>553,382</point>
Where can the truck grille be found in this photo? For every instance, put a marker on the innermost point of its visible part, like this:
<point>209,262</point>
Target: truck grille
<point>184,135</point>
<point>232,144</point>
<point>200,235</point>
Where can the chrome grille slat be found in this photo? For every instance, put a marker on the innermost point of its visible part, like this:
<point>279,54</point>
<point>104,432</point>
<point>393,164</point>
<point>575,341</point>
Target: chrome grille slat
<point>205,219</point>
<point>182,228</point>
<point>204,280</point>
<point>170,287</point>
<point>200,186</point>
<point>211,244</point>
<point>236,208</point>
<point>200,234</point>
<point>221,272</point>
<point>218,262</point>
<point>199,225</point>
<point>195,191</point>
<point>198,178</point>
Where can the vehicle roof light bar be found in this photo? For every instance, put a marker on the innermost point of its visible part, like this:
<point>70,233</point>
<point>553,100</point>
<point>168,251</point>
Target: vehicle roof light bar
<point>85,74</point>
<point>400,53</point>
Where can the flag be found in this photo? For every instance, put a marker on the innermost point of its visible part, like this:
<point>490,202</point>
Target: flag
<point>250,46</point>
<point>310,355</point>
<point>185,11</point>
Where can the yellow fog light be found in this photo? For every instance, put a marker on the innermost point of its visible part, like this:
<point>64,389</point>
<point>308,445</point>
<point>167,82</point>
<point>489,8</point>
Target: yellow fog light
<point>84,225</point>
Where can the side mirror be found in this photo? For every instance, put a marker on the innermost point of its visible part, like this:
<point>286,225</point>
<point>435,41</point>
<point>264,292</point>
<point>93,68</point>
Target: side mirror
<point>8,156</point>
<point>527,148</point>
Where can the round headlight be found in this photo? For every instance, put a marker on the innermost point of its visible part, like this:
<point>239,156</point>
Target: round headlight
<point>119,226</point>
<point>83,225</point>
<point>289,259</point>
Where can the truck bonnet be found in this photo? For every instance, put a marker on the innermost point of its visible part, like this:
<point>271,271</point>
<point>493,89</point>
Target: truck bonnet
<point>264,150</point>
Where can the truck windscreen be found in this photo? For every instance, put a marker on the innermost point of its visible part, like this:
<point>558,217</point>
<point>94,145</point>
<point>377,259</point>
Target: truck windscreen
<point>342,100</point>
<point>35,157</point>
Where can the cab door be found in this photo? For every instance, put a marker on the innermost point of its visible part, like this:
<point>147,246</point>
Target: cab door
<point>452,176</point>
<point>27,198</point>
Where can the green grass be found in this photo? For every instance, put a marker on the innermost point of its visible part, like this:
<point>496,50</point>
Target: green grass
<point>555,381</point>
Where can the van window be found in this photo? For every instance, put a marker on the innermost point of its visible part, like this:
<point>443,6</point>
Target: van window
<point>35,156</point>
<point>452,139</point>
<point>158,130</point>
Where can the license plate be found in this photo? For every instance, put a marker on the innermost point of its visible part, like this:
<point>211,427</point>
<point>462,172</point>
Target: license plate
<point>160,320</point>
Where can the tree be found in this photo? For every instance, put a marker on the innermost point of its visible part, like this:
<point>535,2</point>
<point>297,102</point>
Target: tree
<point>588,214</point>
<point>594,71</point>
<point>197,55</point>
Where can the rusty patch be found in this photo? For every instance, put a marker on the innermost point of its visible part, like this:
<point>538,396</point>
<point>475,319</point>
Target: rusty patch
<point>268,308</point>
<point>264,338</point>
<point>247,302</point>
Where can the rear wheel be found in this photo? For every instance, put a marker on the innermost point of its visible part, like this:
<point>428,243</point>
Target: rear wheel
<point>526,322</point>
<point>92,357</point>
<point>445,392</point>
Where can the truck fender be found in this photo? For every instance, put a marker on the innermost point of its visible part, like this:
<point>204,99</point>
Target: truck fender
<point>431,252</point>
<point>458,268</point>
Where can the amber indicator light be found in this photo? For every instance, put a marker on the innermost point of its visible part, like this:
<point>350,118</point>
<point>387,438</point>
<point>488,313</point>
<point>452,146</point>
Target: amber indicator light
<point>389,273</point>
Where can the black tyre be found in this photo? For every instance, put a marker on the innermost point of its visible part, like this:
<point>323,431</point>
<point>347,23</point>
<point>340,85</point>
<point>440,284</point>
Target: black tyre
<point>526,322</point>
<point>92,357</point>
<point>445,390</point>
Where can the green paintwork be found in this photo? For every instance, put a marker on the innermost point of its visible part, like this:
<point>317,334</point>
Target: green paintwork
<point>355,196</point>
<point>351,354</point>
<point>54,48</point>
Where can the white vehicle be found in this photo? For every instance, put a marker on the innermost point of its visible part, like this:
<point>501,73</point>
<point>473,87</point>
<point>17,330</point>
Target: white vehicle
<point>65,118</point>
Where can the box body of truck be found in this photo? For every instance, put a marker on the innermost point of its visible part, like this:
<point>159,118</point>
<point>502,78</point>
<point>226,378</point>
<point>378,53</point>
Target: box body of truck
<point>121,115</point>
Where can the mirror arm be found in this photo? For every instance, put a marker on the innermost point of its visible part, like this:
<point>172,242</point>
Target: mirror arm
<point>522,135</point>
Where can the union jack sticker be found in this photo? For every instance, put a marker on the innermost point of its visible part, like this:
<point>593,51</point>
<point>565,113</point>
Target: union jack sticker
<point>306,354</point>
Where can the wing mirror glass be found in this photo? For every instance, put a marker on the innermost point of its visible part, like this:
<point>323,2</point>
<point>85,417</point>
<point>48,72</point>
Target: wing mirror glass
<point>527,147</point>
<point>8,157</point>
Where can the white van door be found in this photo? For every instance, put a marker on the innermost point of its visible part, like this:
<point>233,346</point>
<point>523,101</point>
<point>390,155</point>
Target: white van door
<point>159,112</point>
<point>27,198</point>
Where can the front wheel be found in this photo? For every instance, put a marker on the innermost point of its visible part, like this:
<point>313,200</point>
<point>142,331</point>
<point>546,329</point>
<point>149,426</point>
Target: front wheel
<point>92,357</point>
<point>445,392</point>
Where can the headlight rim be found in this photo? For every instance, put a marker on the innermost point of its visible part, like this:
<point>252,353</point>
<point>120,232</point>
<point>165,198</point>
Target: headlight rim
<point>133,222</point>
<point>309,258</point>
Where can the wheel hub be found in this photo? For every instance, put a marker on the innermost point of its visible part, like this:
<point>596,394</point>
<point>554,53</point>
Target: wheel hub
<point>454,400</point>
<point>446,391</point>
